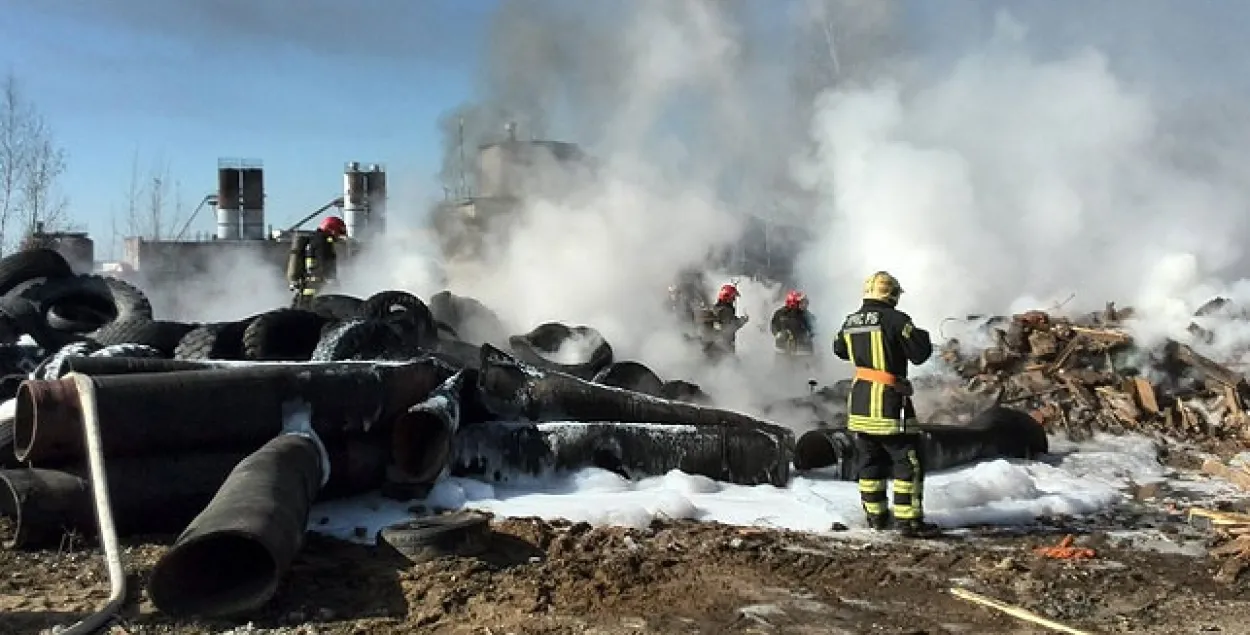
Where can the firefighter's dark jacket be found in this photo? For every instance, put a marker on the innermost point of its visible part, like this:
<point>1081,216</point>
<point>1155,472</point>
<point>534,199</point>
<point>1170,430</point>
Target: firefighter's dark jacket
<point>880,337</point>
<point>796,323</point>
<point>319,259</point>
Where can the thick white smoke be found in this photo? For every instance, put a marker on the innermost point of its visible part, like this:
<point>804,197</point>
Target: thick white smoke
<point>1013,182</point>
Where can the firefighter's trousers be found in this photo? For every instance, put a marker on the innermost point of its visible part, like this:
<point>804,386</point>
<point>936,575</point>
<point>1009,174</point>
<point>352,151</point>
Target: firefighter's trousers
<point>883,458</point>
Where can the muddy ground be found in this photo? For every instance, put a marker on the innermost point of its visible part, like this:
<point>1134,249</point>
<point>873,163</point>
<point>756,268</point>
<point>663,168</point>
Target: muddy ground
<point>689,577</point>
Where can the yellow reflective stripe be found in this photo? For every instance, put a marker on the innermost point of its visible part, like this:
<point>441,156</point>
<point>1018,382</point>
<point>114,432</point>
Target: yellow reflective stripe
<point>871,486</point>
<point>876,403</point>
<point>850,349</point>
<point>875,509</point>
<point>873,425</point>
<point>903,487</point>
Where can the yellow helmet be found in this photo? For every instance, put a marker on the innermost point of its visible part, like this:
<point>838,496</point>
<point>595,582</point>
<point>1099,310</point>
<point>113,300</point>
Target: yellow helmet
<point>884,287</point>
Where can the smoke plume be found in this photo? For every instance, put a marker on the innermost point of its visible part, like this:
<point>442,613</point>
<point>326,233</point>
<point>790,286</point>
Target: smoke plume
<point>1003,174</point>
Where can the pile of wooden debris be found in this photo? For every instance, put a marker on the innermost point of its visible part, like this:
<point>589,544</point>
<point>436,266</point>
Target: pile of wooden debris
<point>1079,376</point>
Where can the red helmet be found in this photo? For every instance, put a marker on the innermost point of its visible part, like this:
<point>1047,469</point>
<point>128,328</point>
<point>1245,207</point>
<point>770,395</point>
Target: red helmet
<point>795,299</point>
<point>334,226</point>
<point>728,293</point>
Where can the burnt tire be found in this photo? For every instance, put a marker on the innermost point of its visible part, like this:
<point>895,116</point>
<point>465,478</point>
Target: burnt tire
<point>474,321</point>
<point>547,339</point>
<point>162,335</point>
<point>630,376</point>
<point>404,310</point>
<point>19,316</point>
<point>359,340</point>
<point>114,297</point>
<point>30,264</point>
<point>288,335</point>
<point>333,306</point>
<point>77,318</point>
<point>218,340</point>
<point>446,331</point>
<point>462,533</point>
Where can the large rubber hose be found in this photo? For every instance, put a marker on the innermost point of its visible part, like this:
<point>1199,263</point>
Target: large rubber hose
<point>422,440</point>
<point>631,376</point>
<point>536,348</point>
<point>995,433</point>
<point>153,495</point>
<point>42,505</point>
<point>124,366</point>
<point>736,455</point>
<point>232,557</point>
<point>219,409</point>
<point>30,264</point>
<point>513,390</point>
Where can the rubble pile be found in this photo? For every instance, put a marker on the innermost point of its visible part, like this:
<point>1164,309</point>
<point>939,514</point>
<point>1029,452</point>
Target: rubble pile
<point>1083,375</point>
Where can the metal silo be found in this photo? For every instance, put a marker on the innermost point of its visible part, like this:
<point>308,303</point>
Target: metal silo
<point>355,198</point>
<point>252,191</point>
<point>228,200</point>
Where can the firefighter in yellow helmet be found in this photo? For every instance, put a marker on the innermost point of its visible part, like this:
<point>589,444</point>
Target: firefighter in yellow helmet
<point>880,340</point>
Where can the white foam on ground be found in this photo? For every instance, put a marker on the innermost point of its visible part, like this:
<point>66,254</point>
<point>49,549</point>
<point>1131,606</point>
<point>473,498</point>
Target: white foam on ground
<point>1075,479</point>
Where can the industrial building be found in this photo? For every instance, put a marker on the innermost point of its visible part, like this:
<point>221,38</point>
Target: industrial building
<point>242,229</point>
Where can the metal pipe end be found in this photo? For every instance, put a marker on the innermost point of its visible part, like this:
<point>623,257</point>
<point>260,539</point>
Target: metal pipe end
<point>48,415</point>
<point>421,445</point>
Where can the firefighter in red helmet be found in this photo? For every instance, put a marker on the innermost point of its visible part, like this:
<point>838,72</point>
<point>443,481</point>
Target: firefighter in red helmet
<point>792,326</point>
<point>313,261</point>
<point>722,323</point>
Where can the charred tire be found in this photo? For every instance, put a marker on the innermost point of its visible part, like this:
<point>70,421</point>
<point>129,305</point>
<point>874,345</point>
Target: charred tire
<point>131,351</point>
<point>631,376</point>
<point>470,318</point>
<point>22,316</point>
<point>120,300</point>
<point>358,339</point>
<point>404,310</point>
<point>334,306</point>
<point>163,335</point>
<point>283,335</point>
<point>463,533</point>
<point>220,340</point>
<point>548,338</point>
<point>30,264</point>
<point>77,318</point>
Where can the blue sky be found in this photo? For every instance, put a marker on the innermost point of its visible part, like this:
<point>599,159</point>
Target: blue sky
<point>185,91</point>
<point>305,85</point>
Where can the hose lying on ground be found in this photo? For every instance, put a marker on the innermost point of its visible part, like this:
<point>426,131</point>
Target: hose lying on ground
<point>229,408</point>
<point>997,432</point>
<point>232,557</point>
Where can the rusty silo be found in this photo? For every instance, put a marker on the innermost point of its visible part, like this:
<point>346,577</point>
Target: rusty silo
<point>228,201</point>
<point>375,186</point>
<point>252,193</point>
<point>355,198</point>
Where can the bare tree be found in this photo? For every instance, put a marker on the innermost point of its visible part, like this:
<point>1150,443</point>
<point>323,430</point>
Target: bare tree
<point>31,164</point>
<point>153,203</point>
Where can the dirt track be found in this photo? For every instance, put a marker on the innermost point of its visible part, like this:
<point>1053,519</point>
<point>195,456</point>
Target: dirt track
<point>682,577</point>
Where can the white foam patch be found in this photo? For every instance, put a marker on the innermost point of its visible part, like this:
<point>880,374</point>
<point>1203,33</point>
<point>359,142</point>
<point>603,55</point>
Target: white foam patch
<point>1077,479</point>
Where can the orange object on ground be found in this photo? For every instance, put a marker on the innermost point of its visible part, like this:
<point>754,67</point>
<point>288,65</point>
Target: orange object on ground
<point>1065,551</point>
